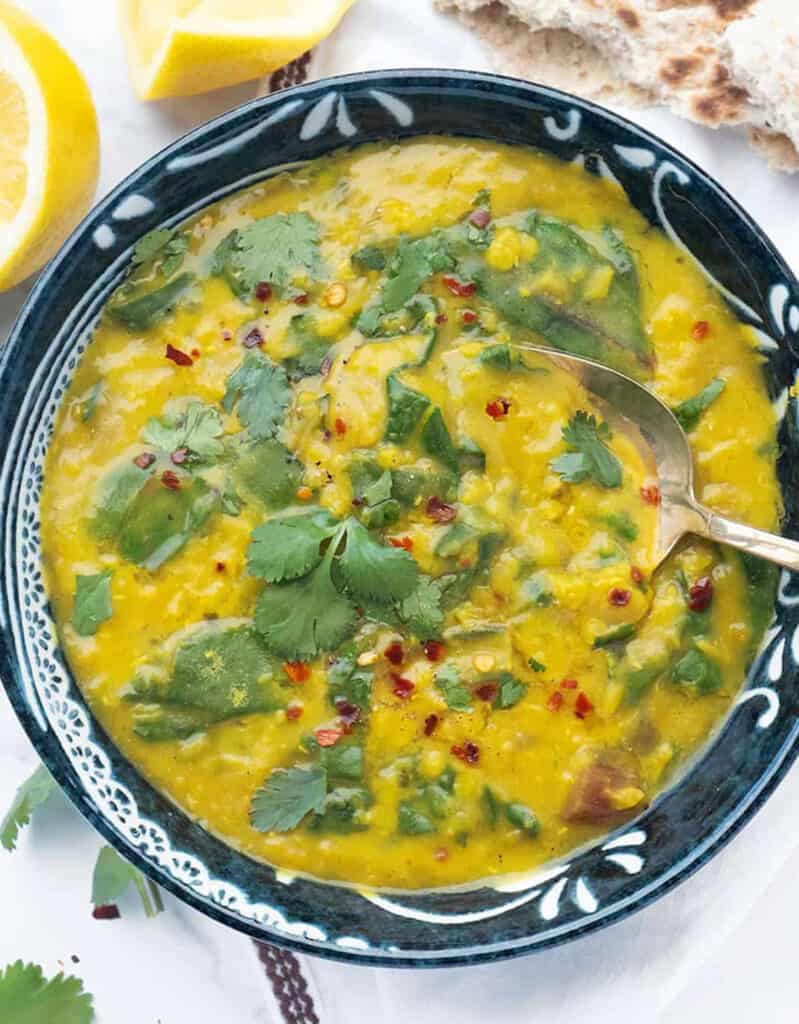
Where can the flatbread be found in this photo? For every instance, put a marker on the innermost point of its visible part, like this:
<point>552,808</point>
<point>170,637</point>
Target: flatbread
<point>711,61</point>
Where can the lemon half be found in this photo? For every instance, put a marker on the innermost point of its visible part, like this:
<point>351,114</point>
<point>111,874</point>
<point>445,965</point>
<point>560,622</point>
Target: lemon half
<point>49,146</point>
<point>183,47</point>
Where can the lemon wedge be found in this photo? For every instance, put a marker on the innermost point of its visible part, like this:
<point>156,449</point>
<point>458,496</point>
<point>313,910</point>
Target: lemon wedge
<point>49,146</point>
<point>183,47</point>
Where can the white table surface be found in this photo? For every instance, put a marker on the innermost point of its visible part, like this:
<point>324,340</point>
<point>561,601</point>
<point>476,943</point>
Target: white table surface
<point>722,946</point>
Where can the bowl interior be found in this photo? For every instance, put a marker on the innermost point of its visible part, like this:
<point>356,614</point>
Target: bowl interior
<point>606,880</point>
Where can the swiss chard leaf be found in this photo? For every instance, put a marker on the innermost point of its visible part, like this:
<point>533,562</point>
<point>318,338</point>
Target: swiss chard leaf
<point>92,602</point>
<point>689,411</point>
<point>272,249</point>
<point>161,520</point>
<point>262,391</point>
<point>140,313</point>
<point>437,442</point>
<point>405,409</point>
<point>268,470</point>
<point>287,796</point>
<point>589,456</point>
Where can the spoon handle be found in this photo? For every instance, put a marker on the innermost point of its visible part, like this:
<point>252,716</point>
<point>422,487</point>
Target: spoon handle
<point>770,546</point>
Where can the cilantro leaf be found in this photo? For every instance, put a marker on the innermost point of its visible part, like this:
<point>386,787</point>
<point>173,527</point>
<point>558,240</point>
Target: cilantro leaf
<point>262,391</point>
<point>588,457</point>
<point>272,249</point>
<point>437,441</point>
<point>27,997</point>
<point>197,427</point>
<point>373,571</point>
<point>140,313</point>
<point>287,548</point>
<point>112,876</point>
<point>689,411</point>
<point>536,665</point>
<point>32,793</point>
<point>299,619</point>
<point>510,691</point>
<point>421,611</point>
<point>287,796</point>
<point>405,408</point>
<point>410,267</point>
<point>92,602</point>
<point>455,693</point>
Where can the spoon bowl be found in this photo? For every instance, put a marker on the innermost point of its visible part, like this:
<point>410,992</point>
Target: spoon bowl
<point>664,444</point>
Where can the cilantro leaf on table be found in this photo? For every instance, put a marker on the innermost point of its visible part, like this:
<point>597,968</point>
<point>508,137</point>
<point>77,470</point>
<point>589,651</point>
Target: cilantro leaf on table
<point>510,691</point>
<point>457,696</point>
<point>589,456</point>
<point>405,409</point>
<point>141,312</point>
<point>288,547</point>
<point>112,876</point>
<point>196,427</point>
<point>92,602</point>
<point>689,411</point>
<point>32,793</point>
<point>309,615</point>
<point>262,391</point>
<point>287,796</point>
<point>271,249</point>
<point>27,997</point>
<point>374,571</point>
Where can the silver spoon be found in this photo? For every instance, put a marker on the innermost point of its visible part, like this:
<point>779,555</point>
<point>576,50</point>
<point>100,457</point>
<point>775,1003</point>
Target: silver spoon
<point>665,443</point>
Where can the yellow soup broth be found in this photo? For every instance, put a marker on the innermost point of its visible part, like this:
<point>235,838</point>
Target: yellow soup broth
<point>361,584</point>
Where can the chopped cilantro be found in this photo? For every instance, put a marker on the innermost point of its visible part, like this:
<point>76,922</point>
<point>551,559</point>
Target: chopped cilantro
<point>496,356</point>
<point>262,391</point>
<point>689,411</point>
<point>411,822</point>
<point>32,793</point>
<point>27,997</point>
<point>342,811</point>
<point>113,875</point>
<point>589,456</point>
<point>272,249</point>
<point>166,245</point>
<point>288,547</point>
<point>87,406</point>
<point>622,525</point>
<point>92,602</point>
<point>348,681</point>
<point>457,696</point>
<point>197,428</point>
<point>510,691</point>
<point>287,796</point>
<point>373,571</point>
<point>536,665</point>
<point>370,257</point>
<point>343,762</point>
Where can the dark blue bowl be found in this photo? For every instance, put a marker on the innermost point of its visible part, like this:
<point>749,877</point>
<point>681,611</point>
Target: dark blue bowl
<point>600,884</point>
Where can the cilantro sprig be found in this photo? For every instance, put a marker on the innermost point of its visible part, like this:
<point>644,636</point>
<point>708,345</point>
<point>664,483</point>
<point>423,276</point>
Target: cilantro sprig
<point>113,875</point>
<point>271,249</point>
<point>27,997</point>
<point>32,793</point>
<point>261,389</point>
<point>589,457</point>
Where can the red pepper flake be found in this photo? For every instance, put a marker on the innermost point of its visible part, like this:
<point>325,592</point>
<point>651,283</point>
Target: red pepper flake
<point>439,511</point>
<point>170,480</point>
<point>196,353</point>
<point>300,299</point>
<point>145,460</point>
<point>582,705</point>
<point>348,712</point>
<point>106,912</point>
<point>468,316</point>
<point>568,684</point>
<point>341,427</point>
<point>441,854</point>
<point>253,338</point>
<point>555,702</point>
<point>433,650</point>
<point>619,597</point>
<point>220,566</point>
<point>179,456</point>
<point>651,494</point>
<point>178,357</point>
<point>402,688</point>
<point>297,671</point>
<point>263,291</point>
<point>463,289</point>
<point>701,594</point>
<point>294,711</point>
<point>486,691</point>
<point>328,737</point>
<point>480,217</point>
<point>700,330</point>
<point>636,575</point>
<point>498,408</point>
<point>394,653</point>
<point>227,335</point>
<point>430,724</point>
<point>442,318</point>
<point>468,752</point>
<point>400,542</point>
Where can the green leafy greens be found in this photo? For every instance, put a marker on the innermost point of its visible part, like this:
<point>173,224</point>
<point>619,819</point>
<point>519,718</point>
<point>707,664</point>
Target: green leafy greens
<point>589,457</point>
<point>92,602</point>
<point>273,249</point>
